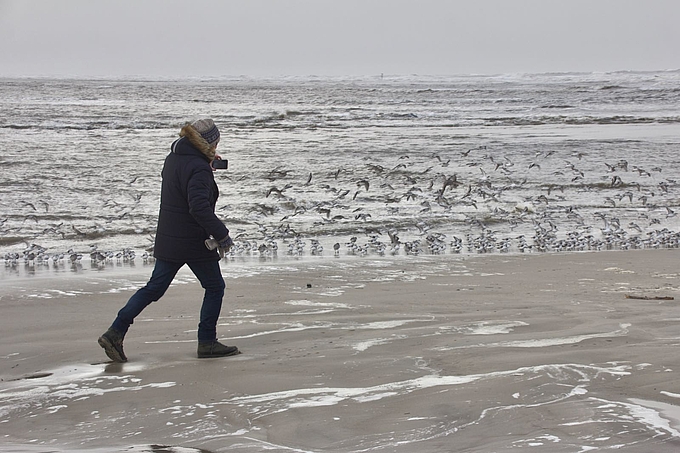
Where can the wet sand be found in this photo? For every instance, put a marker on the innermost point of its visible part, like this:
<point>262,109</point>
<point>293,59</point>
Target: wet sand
<point>541,353</point>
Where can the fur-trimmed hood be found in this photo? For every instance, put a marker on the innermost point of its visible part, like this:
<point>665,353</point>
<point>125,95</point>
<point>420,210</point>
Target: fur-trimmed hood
<point>197,141</point>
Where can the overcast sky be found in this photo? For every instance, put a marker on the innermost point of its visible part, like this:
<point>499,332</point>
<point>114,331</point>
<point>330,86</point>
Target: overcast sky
<point>174,38</point>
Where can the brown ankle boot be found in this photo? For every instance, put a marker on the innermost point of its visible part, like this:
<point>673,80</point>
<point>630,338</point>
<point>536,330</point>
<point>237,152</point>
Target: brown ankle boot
<point>112,342</point>
<point>215,349</point>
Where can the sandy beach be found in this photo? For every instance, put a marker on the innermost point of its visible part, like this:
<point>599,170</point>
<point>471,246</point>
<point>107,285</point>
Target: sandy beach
<point>566,352</point>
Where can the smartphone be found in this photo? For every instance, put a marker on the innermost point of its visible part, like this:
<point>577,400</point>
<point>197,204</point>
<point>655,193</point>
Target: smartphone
<point>220,164</point>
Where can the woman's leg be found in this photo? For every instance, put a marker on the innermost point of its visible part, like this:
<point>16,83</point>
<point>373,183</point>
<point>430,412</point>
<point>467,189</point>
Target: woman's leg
<point>163,274</point>
<point>210,276</point>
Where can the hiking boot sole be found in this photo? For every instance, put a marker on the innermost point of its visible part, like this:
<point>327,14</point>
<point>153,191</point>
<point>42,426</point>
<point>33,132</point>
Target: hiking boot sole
<point>111,350</point>
<point>214,356</point>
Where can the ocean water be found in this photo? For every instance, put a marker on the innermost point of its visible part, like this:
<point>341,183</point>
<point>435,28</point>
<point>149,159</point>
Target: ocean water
<point>387,165</point>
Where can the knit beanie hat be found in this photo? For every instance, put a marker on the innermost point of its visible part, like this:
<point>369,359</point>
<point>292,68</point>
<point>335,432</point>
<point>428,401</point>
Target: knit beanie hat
<point>206,127</point>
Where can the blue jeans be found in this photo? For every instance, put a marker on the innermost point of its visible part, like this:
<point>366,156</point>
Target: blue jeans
<point>207,272</point>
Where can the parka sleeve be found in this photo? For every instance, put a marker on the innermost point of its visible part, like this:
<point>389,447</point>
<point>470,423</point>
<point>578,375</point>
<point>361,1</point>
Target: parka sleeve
<point>200,193</point>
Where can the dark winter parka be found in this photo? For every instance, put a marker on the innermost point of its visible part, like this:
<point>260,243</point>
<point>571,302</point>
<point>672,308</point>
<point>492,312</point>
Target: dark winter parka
<point>188,197</point>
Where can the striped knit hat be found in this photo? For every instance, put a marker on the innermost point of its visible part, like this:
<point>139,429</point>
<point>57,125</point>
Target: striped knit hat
<point>206,127</point>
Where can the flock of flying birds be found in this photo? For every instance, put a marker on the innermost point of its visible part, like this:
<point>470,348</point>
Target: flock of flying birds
<point>629,207</point>
<point>489,204</point>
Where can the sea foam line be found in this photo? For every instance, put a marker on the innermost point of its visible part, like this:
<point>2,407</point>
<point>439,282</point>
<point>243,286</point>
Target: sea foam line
<point>275,402</point>
<point>545,342</point>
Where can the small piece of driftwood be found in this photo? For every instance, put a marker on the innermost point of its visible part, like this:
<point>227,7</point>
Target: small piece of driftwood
<point>628,296</point>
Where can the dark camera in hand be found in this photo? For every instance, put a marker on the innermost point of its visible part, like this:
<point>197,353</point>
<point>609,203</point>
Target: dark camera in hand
<point>220,164</point>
